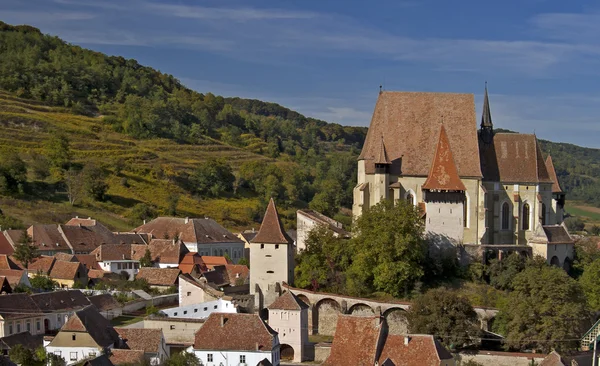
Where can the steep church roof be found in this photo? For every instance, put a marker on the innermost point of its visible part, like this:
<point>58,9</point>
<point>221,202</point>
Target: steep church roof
<point>486,115</point>
<point>406,120</point>
<point>271,230</point>
<point>443,174</point>
<point>552,173</point>
<point>381,156</point>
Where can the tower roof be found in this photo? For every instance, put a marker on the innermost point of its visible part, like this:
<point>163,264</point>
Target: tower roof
<point>288,301</point>
<point>486,115</point>
<point>381,156</point>
<point>271,230</point>
<point>443,174</point>
<point>552,173</point>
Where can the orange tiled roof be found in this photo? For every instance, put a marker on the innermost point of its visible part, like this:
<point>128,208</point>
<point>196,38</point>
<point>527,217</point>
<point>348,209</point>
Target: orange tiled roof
<point>288,301</point>
<point>239,332</point>
<point>443,174</point>
<point>126,356</point>
<point>159,276</point>
<point>271,230</point>
<point>552,173</point>
<point>355,341</point>
<point>147,340</point>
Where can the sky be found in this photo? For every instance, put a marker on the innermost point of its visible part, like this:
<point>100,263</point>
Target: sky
<point>327,58</point>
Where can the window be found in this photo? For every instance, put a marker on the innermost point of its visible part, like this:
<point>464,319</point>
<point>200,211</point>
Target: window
<point>172,327</point>
<point>276,246</point>
<point>221,252</point>
<point>175,314</point>
<point>184,312</point>
<point>466,210</point>
<point>189,293</point>
<point>38,325</point>
<point>136,265</point>
<point>205,309</point>
<point>242,358</point>
<point>10,328</point>
<point>525,216</point>
<point>58,353</point>
<point>543,214</point>
<point>505,215</point>
<point>262,246</point>
<point>73,356</point>
<point>73,337</point>
<point>28,327</point>
<point>118,265</point>
<point>215,306</point>
<point>92,354</point>
<point>18,327</point>
<point>209,357</point>
<point>195,310</point>
<point>58,319</point>
<point>270,272</point>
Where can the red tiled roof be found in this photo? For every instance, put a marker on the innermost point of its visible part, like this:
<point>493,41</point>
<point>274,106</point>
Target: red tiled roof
<point>552,173</point>
<point>381,156</point>
<point>147,340</point>
<point>88,260</point>
<point>271,230</point>
<point>5,247</point>
<point>126,356</point>
<point>7,262</point>
<point>86,238</point>
<point>68,257</point>
<point>95,273</point>
<point>210,261</point>
<point>167,251</point>
<point>443,174</point>
<point>239,332</point>
<point>67,270</point>
<point>421,350</point>
<point>48,238</point>
<point>42,265</point>
<point>201,231</point>
<point>13,276</point>
<point>76,221</point>
<point>288,301</point>
<point>60,300</point>
<point>355,341</point>
<point>104,302</point>
<point>191,260</point>
<point>418,115</point>
<point>159,276</point>
<point>113,252</point>
<point>237,273</point>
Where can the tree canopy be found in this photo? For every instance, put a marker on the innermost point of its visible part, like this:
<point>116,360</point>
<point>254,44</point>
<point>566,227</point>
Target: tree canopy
<point>25,252</point>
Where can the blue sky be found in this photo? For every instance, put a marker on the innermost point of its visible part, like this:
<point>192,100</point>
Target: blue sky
<point>327,58</point>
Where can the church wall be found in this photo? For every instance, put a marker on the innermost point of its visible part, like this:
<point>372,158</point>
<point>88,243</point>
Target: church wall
<point>475,220</point>
<point>444,222</point>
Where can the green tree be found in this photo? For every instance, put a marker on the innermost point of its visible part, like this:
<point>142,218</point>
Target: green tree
<point>595,230</point>
<point>43,283</point>
<point>502,272</point>
<point>23,356</point>
<point>244,262</point>
<point>586,252</point>
<point>58,151</point>
<point>213,178</point>
<point>25,252</point>
<point>74,185</point>
<point>389,249</point>
<point>13,172</point>
<point>39,165</point>
<point>182,359</point>
<point>447,316</point>
<point>94,181</point>
<point>146,260</point>
<point>544,311</point>
<point>172,202</point>
<point>574,224</point>
<point>142,211</point>
<point>590,284</point>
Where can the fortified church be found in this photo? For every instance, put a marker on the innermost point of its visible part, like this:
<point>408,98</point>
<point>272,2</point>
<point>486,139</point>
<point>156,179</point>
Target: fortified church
<point>472,187</point>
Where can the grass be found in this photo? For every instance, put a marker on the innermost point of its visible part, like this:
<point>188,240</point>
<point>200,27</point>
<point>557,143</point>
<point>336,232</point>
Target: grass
<point>581,210</point>
<point>122,321</point>
<point>318,338</point>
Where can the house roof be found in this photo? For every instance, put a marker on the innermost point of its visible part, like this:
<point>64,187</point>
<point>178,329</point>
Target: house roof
<point>5,246</point>
<point>552,173</point>
<point>126,356</point>
<point>237,273</point>
<point>190,260</point>
<point>288,301</point>
<point>6,262</point>
<point>60,300</point>
<point>91,321</point>
<point>514,158</point>
<point>13,236</point>
<point>159,276</point>
<point>381,156</point>
<point>65,257</point>
<point>355,341</point>
<point>551,234</point>
<point>48,238</point>
<point>239,332</point>
<point>88,260</point>
<point>14,276</point>
<point>104,302</point>
<point>17,306</point>
<point>130,238</point>
<point>147,340</point>
<point>100,360</point>
<point>200,231</point>
<point>211,260</point>
<point>66,270</point>
<point>332,224</point>
<point>421,350</point>
<point>42,264</point>
<point>167,251</point>
<point>248,235</point>
<point>86,238</point>
<point>24,338</point>
<point>113,252</point>
<point>416,114</point>
<point>217,276</point>
<point>271,230</point>
<point>76,221</point>
<point>96,273</point>
<point>443,174</point>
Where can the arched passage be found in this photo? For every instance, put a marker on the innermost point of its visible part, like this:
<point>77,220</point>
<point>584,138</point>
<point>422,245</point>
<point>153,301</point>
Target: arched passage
<point>325,315</point>
<point>396,321</point>
<point>567,264</point>
<point>361,309</point>
<point>554,261</point>
<point>303,298</point>
<point>287,352</point>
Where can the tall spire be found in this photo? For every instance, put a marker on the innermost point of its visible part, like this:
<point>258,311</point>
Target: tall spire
<point>271,230</point>
<point>443,174</point>
<point>487,127</point>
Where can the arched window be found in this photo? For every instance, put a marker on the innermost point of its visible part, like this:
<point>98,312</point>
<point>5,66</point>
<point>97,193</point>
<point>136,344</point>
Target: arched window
<point>505,215</point>
<point>466,210</point>
<point>543,214</point>
<point>525,217</point>
<point>410,197</point>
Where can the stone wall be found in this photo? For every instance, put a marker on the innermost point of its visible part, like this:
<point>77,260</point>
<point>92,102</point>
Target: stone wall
<point>322,351</point>
<point>490,358</point>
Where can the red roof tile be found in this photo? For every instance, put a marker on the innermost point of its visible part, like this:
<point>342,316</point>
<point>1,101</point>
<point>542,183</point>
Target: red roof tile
<point>421,350</point>
<point>239,332</point>
<point>159,276</point>
<point>147,340</point>
<point>237,273</point>
<point>355,341</point>
<point>201,231</point>
<point>126,356</point>
<point>190,261</point>
<point>42,265</point>
<point>271,230</point>
<point>91,321</point>
<point>113,252</point>
<point>13,276</point>
<point>67,270</point>
<point>443,174</point>
<point>167,251</point>
<point>552,173</point>
<point>88,260</point>
<point>381,156</point>
<point>7,262</point>
<point>16,306</point>
<point>288,301</point>
<point>48,238</point>
<point>104,302</point>
<point>5,247</point>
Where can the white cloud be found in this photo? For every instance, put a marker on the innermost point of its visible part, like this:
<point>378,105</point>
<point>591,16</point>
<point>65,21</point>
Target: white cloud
<point>232,14</point>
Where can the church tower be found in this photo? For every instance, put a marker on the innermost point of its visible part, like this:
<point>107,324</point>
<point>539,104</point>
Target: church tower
<point>486,132</point>
<point>382,174</point>
<point>271,259</point>
<point>444,196</point>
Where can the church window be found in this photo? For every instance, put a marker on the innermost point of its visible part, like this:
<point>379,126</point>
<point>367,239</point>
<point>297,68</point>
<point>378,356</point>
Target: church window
<point>526,216</point>
<point>543,214</point>
<point>505,216</point>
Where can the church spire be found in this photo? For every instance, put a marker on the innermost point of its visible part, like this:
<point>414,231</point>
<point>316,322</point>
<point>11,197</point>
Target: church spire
<point>487,127</point>
<point>443,174</point>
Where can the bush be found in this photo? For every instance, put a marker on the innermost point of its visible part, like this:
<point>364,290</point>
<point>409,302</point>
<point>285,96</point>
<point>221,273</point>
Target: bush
<point>574,224</point>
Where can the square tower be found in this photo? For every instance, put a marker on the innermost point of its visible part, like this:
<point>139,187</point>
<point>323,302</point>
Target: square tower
<point>288,316</point>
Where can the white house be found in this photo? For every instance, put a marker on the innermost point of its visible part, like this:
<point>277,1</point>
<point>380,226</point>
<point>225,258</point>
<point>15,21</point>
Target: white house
<point>235,339</point>
<point>288,316</point>
<point>58,306</point>
<point>86,334</point>
<point>201,310</point>
<point>150,341</point>
<point>18,313</point>
<point>118,258</point>
<point>307,220</point>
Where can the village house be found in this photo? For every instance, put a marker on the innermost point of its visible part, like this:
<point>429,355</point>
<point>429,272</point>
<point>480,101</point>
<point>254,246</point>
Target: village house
<point>167,253</point>
<point>41,266</point>
<point>179,333</point>
<point>192,291</point>
<point>69,274</point>
<point>6,248</point>
<point>58,306</point>
<point>120,258</point>
<point>192,263</point>
<point>365,340</point>
<point>288,316</point>
<point>150,341</point>
<point>107,305</point>
<point>201,310</point>
<point>86,334</point>
<point>554,243</point>
<point>19,313</point>
<point>16,277</point>
<point>126,357</point>
<point>236,339</point>
<point>159,278</point>
<point>307,220</point>
<point>48,239</point>
<point>229,275</point>
<point>24,339</point>
<point>204,236</point>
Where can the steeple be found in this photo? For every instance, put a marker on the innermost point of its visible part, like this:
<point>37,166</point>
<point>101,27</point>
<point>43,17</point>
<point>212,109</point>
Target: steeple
<point>443,174</point>
<point>381,156</point>
<point>271,230</point>
<point>487,127</point>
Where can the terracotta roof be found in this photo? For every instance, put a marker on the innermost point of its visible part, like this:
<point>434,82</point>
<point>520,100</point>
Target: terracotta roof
<point>76,221</point>
<point>147,340</point>
<point>191,260</point>
<point>67,270</point>
<point>13,236</point>
<point>7,262</point>
<point>13,276</point>
<point>48,238</point>
<point>5,247</point>
<point>42,265</point>
<point>237,273</point>
<point>159,276</point>
<point>381,156</point>
<point>104,302</point>
<point>200,231</point>
<point>288,301</point>
<point>514,158</point>
<point>421,350</point>
<point>355,341</point>
<point>443,174</point>
<point>96,273</point>
<point>68,257</point>
<point>239,332</point>
<point>87,238</point>
<point>167,251</point>
<point>552,173</point>
<point>271,230</point>
<point>113,252</point>
<point>24,338</point>
<point>17,306</point>
<point>210,261</point>
<point>399,115</point>
<point>130,238</point>
<point>60,300</point>
<point>126,356</point>
<point>88,260</point>
<point>217,276</point>
<point>89,320</point>
<point>330,223</point>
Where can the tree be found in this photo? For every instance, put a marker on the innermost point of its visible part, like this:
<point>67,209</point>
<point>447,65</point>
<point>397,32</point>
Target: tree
<point>22,356</point>
<point>74,185</point>
<point>502,272</point>
<point>544,311</point>
<point>142,211</point>
<point>41,282</point>
<point>574,224</point>
<point>146,260</point>
<point>39,165</point>
<point>13,172</point>
<point>244,262</point>
<point>590,285</point>
<point>25,252</point>
<point>595,230</point>
<point>182,359</point>
<point>94,181</point>
<point>388,248</point>
<point>172,202</point>
<point>213,178</point>
<point>447,316</point>
<point>58,151</point>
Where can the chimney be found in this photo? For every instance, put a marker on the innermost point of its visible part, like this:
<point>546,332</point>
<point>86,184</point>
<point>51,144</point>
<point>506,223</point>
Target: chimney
<point>257,346</point>
<point>223,320</point>
<point>123,256</point>
<point>79,224</point>
<point>406,340</point>
<point>187,220</point>
<point>144,221</point>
